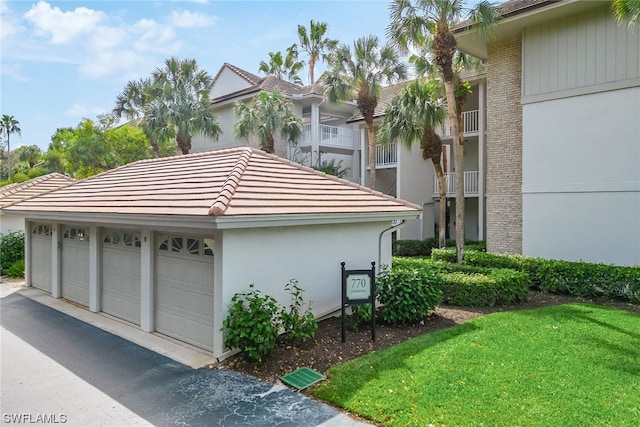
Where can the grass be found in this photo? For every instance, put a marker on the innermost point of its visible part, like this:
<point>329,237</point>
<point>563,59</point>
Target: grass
<point>567,365</point>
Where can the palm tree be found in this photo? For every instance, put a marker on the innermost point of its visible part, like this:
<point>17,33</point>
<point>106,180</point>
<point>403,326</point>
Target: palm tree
<point>359,74</point>
<point>131,102</point>
<point>9,125</point>
<point>627,10</point>
<point>266,116</point>
<point>286,67</point>
<point>417,23</point>
<point>412,117</point>
<point>315,44</point>
<point>178,104</point>
<point>30,154</point>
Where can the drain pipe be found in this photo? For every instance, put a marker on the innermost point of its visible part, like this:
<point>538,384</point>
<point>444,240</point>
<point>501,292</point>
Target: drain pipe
<point>392,228</point>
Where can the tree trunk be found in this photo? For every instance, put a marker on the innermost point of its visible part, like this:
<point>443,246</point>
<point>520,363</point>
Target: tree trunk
<point>371,136</point>
<point>312,64</point>
<point>154,147</point>
<point>270,145</point>
<point>9,156</point>
<point>458,153</point>
<point>442,230</point>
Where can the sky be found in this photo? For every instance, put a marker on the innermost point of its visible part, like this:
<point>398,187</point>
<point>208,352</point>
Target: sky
<point>62,61</point>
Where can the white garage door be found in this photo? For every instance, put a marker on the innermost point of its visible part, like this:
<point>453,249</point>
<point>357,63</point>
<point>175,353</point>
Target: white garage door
<point>75,264</point>
<point>41,257</point>
<point>121,274</point>
<point>184,289</point>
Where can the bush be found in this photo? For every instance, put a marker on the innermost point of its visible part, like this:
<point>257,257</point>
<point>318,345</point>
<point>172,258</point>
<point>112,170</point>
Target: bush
<point>300,325</point>
<point>407,295</point>
<point>468,285</point>
<point>426,246</point>
<point>11,249</point>
<point>570,277</point>
<point>496,287</point>
<point>252,324</point>
<point>360,316</point>
<point>16,269</point>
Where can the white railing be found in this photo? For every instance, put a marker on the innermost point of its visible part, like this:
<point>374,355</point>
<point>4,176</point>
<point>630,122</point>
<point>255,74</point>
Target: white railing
<point>470,123</point>
<point>471,184</point>
<point>386,154</point>
<point>329,136</point>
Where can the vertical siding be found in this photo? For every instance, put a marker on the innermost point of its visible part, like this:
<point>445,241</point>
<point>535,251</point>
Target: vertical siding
<point>582,51</point>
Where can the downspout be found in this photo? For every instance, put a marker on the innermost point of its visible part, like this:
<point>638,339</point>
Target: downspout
<point>392,228</point>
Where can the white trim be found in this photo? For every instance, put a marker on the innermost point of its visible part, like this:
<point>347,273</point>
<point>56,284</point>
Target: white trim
<point>587,90</point>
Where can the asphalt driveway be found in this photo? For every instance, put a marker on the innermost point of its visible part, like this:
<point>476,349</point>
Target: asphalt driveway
<point>140,386</point>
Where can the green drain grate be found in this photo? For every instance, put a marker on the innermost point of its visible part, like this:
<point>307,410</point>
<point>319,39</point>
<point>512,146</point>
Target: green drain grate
<point>302,378</point>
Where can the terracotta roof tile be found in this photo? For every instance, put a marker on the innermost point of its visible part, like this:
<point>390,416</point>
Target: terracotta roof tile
<point>238,181</point>
<point>18,192</point>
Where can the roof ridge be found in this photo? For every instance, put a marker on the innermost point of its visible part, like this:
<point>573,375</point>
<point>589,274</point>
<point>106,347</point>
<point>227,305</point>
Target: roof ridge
<point>230,184</point>
<point>339,180</point>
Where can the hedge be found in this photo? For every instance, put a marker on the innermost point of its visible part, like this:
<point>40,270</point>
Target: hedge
<point>571,277</point>
<point>424,247</point>
<point>467,285</point>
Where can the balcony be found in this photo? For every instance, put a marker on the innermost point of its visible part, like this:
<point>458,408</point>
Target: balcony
<point>471,184</point>
<point>470,124</point>
<point>387,154</point>
<point>329,137</point>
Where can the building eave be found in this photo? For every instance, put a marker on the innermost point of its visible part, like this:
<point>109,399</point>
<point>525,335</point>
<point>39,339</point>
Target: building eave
<point>512,23</point>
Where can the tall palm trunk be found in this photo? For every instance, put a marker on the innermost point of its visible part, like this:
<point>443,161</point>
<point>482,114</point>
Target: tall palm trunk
<point>312,64</point>
<point>371,136</point>
<point>444,44</point>
<point>9,156</point>
<point>442,230</point>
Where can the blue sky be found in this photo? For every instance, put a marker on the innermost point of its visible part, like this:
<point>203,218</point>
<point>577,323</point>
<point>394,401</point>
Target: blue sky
<point>65,60</point>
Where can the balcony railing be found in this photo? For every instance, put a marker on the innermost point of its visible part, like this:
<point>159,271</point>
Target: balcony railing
<point>329,136</point>
<point>470,123</point>
<point>386,154</point>
<point>471,184</point>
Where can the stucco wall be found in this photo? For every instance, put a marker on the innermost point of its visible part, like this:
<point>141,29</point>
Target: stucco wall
<point>504,146</point>
<point>10,223</point>
<point>581,181</point>
<point>270,257</point>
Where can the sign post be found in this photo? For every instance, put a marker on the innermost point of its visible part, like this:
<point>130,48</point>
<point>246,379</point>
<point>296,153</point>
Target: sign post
<point>359,287</point>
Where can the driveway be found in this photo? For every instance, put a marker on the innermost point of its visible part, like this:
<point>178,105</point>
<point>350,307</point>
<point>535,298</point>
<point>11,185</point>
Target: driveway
<point>54,365</point>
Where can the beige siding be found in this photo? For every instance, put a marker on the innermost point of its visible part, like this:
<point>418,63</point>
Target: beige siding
<point>504,147</point>
<point>579,54</point>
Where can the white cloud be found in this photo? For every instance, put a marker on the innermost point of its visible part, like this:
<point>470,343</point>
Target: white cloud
<point>186,19</point>
<point>79,110</point>
<point>13,71</point>
<point>63,26</point>
<point>9,24</point>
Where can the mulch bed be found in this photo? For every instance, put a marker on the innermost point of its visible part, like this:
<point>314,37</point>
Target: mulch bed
<point>327,349</point>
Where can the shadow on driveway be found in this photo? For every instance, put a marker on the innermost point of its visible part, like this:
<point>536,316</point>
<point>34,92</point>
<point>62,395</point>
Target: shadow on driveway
<point>156,388</point>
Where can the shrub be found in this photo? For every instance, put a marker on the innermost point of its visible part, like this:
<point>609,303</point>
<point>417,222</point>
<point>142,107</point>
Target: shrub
<point>252,324</point>
<point>572,277</point>
<point>495,287</point>
<point>407,295</point>
<point>360,316</point>
<point>300,325</point>
<point>426,246</point>
<point>16,269</point>
<point>11,249</point>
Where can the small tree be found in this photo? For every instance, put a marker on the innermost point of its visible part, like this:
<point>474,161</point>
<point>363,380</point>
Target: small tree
<point>284,67</point>
<point>315,44</point>
<point>268,115</point>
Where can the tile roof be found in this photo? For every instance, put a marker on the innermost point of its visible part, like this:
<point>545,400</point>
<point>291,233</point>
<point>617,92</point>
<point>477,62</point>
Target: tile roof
<point>237,181</point>
<point>267,83</point>
<point>18,192</point>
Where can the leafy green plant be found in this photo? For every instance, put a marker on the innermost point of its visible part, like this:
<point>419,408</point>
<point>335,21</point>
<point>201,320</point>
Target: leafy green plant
<point>360,316</point>
<point>407,295</point>
<point>299,323</point>
<point>11,249</point>
<point>496,287</point>
<point>252,324</point>
<point>16,269</point>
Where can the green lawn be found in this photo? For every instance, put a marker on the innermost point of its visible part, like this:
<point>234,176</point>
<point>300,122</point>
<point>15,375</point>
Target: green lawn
<point>568,365</point>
